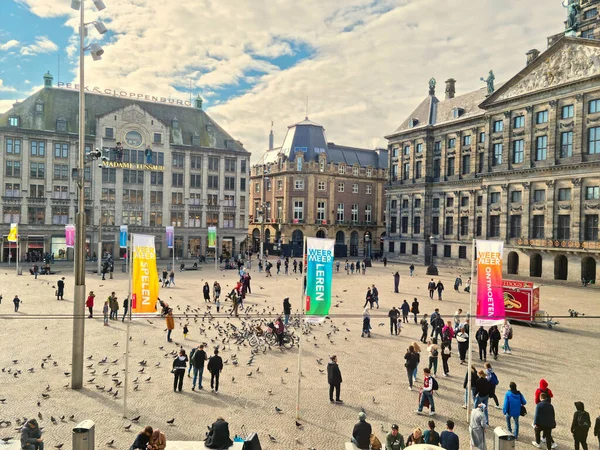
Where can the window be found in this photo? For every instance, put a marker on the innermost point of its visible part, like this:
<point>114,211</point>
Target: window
<point>156,197</point>
<point>479,226</point>
<point>479,200</point>
<point>590,13</point>
<point>176,179</point>
<point>464,202</point>
<point>515,226</point>
<point>567,112</point>
<point>594,141</point>
<point>594,106</point>
<point>457,112</point>
<point>156,178</point>
<point>449,225</point>
<point>419,148</point>
<point>494,197</point>
<point>588,34</point>
<point>176,218</point>
<point>355,188</point>
<point>157,138</point>
<point>133,196</point>
<point>230,184</point>
<point>417,225</point>
<point>229,200</point>
<point>494,226</point>
<point>436,168</point>
<point>405,171</point>
<point>515,197</point>
<point>435,203</point>
<point>451,142</point>
<point>61,125</point>
<point>355,171</point>
<point>158,158</point>
<point>60,215</point>
<point>13,121</point>
<point>178,160</point>
<point>415,249</point>
<point>13,169</point>
<point>402,248</point>
<point>591,227</point>
<point>177,198</point>
<point>450,169</point>
<point>498,126</point>
<point>369,173</point>
<point>519,122</point>
<point>228,220</point>
<point>242,184</point>
<point>298,209</point>
<point>213,200</point>
<point>447,251</point>
<point>395,152</point>
<point>341,169</point>
<point>108,175</point>
<point>213,163</point>
<point>404,225</point>
<point>481,162</point>
<point>354,213</point>
<point>482,137</point>
<point>566,144</point>
<point>36,216</point>
<point>37,190</point>
<point>320,185</point>
<point>156,219</point>
<point>518,149</point>
<point>417,203</point>
<point>298,185</point>
<point>60,192</point>
<point>13,146</point>
<point>541,147</point>
<point>537,227</point>
<point>464,226</point>
<point>404,204</point>
<point>435,225</point>
<point>37,170</point>
<point>196,162</point>
<point>137,177</point>
<point>406,150</point>
<point>541,117</point>
<point>564,227</point>
<point>592,193</point>
<point>564,194</point>
<point>437,146</point>
<point>12,189</point>
<point>340,213</point>
<point>230,165</point>
<point>108,195</point>
<point>38,148</point>
<point>418,169</point>
<point>369,189</point>
<point>196,181</point>
<point>213,182</point>
<point>340,187</point>
<point>539,195</point>
<point>467,140</point>
<point>466,164</point>
<point>497,157</point>
<point>61,150</point>
<point>449,202</point>
<point>321,210</point>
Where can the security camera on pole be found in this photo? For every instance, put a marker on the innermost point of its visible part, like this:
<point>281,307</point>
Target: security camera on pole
<point>79,298</point>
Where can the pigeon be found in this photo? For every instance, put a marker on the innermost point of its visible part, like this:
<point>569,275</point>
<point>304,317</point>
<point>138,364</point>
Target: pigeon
<point>127,427</point>
<point>172,421</point>
<point>110,443</point>
<point>46,395</point>
<point>278,410</point>
<point>272,438</point>
<point>59,446</point>
<point>298,424</point>
<point>6,439</point>
<point>136,419</point>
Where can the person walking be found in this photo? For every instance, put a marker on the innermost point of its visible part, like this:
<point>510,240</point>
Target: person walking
<point>170,324</point>
<point>172,278</point>
<point>448,334</point>
<point>287,310</point>
<point>507,334</point>
<point>366,327</point>
<point>411,360</point>
<point>495,336</point>
<point>440,288</point>
<point>396,282</point>
<point>125,308</point>
<point>394,440</point>
<point>457,318</point>
<point>197,362</point>
<point>405,308</point>
<point>368,298</point>
<point>179,365</point>
<point>414,308</point>
<point>424,327</point>
<point>448,438</point>
<point>482,391</point>
<point>457,283</point>
<point>165,278</point>
<point>434,351</point>
<point>375,294</point>
<point>493,379</point>
<point>215,366</point>
<point>437,324</point>
<point>462,339</point>
<point>482,337</point>
<point>216,291</point>
<point>89,303</point>
<point>394,314</point>
<point>411,269</point>
<point>17,302</point>
<point>468,285</point>
<point>472,385</point>
<point>105,310</point>
<point>597,429</point>
<point>431,288</point>
<point>384,261</point>
<point>544,421</point>
<point>446,354</point>
<point>513,404</point>
<point>334,378</point>
<point>477,427</point>
<point>429,385</point>
<point>206,292</point>
<point>60,289</point>
<point>580,426</point>
<point>418,352</point>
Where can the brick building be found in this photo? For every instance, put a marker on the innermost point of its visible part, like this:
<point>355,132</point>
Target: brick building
<point>521,165</point>
<point>309,187</point>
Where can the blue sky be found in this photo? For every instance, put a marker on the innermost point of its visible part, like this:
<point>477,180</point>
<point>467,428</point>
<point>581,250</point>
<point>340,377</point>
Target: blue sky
<point>363,64</point>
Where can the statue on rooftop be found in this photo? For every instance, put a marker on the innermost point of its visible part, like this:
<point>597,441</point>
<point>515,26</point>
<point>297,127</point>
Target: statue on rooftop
<point>490,82</point>
<point>572,14</point>
<point>432,86</point>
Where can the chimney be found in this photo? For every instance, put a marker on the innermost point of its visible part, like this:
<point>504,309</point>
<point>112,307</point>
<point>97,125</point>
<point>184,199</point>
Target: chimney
<point>532,55</point>
<point>271,137</point>
<point>450,88</point>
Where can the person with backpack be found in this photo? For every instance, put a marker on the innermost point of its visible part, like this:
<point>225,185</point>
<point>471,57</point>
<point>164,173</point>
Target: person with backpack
<point>424,327</point>
<point>411,360</point>
<point>430,436</point>
<point>514,403</point>
<point>430,384</point>
<point>434,352</point>
<point>414,308</point>
<point>544,421</point>
<point>507,334</point>
<point>448,334</point>
<point>482,338</point>
<point>437,325</point>
<point>495,336</point>
<point>440,288</point>
<point>493,379</point>
<point>431,288</point>
<point>580,426</point>
<point>405,308</point>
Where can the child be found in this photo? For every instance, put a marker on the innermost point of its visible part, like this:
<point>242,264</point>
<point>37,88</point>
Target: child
<point>218,304</point>
<point>185,331</point>
<point>105,312</point>
<point>399,326</point>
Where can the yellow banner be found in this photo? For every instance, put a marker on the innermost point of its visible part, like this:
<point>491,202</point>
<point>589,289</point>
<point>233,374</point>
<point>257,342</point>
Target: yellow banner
<point>14,231</point>
<point>144,281</point>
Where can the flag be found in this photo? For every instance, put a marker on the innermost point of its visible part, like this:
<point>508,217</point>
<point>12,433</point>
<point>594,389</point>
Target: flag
<point>123,236</point>
<point>70,236</point>
<point>14,232</point>
<point>319,272</point>
<point>144,278</point>
<point>170,236</point>
<point>490,293</point>
<point>212,237</point>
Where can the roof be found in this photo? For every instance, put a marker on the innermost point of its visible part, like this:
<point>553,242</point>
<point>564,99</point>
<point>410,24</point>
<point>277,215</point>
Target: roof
<point>425,114</point>
<point>360,156</point>
<point>64,104</point>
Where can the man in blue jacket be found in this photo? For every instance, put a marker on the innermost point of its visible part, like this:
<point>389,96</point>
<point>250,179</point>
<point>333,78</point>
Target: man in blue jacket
<point>513,400</point>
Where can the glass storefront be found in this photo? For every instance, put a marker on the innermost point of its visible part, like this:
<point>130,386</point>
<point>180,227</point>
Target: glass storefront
<point>58,247</point>
<point>194,247</point>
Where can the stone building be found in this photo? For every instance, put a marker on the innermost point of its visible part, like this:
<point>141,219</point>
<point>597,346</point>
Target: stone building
<point>586,21</point>
<point>521,165</point>
<point>175,166</point>
<point>309,187</point>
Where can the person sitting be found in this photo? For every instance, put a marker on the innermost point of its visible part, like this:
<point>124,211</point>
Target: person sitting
<point>142,439</point>
<point>218,436</point>
<point>195,266</point>
<point>31,436</point>
<point>182,267</point>
<point>158,441</point>
<point>366,330</point>
<point>361,434</point>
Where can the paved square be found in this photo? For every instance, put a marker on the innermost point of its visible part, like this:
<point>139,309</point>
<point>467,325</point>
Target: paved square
<point>373,369</point>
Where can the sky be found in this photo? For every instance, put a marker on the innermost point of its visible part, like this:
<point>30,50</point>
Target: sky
<point>357,67</point>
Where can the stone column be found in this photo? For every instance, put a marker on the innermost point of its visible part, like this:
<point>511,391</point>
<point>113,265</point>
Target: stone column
<point>526,214</point>
<point>506,145</point>
<point>549,217</point>
<point>222,189</point>
<point>579,129</point>
<point>204,189</point>
<point>472,213</point>
<point>485,211</point>
<point>456,215</point>
<point>554,141</point>
<point>504,212</point>
<point>443,162</point>
<point>577,215</point>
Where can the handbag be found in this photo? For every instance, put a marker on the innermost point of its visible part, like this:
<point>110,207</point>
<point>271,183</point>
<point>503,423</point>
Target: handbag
<point>523,411</point>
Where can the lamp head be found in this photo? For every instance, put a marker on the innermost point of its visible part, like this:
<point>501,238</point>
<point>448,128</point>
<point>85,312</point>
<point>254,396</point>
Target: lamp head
<point>100,28</point>
<point>76,4</point>
<point>96,52</point>
<point>99,4</point>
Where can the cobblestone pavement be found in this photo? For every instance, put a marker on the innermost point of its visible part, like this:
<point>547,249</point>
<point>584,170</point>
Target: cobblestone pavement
<point>373,369</point>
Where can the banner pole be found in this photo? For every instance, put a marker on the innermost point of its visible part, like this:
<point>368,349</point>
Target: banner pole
<point>302,323</point>
<point>125,388</point>
<point>17,253</point>
<point>470,357</point>
<point>173,264</point>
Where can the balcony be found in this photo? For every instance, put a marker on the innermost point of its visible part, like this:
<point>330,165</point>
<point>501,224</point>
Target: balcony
<point>177,207</point>
<point>212,208</point>
<point>230,209</point>
<point>36,200</point>
<point>11,199</point>
<point>60,201</point>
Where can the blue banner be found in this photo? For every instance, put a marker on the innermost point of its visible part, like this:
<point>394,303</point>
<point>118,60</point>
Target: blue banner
<point>123,237</point>
<point>170,236</point>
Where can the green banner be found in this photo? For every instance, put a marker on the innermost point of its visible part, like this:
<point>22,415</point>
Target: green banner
<point>212,237</point>
<point>319,273</point>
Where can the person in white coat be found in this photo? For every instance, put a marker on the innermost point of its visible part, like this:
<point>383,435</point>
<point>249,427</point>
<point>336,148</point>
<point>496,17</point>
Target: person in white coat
<point>477,427</point>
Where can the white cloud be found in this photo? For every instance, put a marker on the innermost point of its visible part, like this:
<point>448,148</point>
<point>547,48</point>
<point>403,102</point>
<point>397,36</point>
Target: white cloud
<point>41,45</point>
<point>371,63</point>
<point>9,44</point>
<point>5,105</point>
<point>6,88</point>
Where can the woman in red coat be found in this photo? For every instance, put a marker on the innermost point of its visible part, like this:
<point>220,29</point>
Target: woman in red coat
<point>89,303</point>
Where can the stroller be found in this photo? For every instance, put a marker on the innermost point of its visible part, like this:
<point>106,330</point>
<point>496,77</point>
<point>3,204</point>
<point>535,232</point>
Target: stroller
<point>366,329</point>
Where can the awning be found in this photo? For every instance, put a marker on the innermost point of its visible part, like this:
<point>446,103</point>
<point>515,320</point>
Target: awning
<point>35,245</point>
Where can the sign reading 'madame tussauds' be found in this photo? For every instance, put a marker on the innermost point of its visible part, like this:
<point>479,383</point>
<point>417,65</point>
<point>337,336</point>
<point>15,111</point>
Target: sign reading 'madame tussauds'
<point>128,165</point>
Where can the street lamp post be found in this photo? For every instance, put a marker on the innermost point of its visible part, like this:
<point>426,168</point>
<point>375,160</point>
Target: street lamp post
<point>79,294</point>
<point>431,269</point>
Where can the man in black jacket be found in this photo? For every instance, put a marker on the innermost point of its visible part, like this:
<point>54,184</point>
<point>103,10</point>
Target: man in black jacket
<point>393,315</point>
<point>218,436</point>
<point>544,421</point>
<point>215,366</point>
<point>198,363</point>
<point>361,435</point>
<point>482,337</point>
<point>334,378</point>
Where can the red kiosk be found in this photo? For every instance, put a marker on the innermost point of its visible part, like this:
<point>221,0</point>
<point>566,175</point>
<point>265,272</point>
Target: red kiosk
<point>521,300</point>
